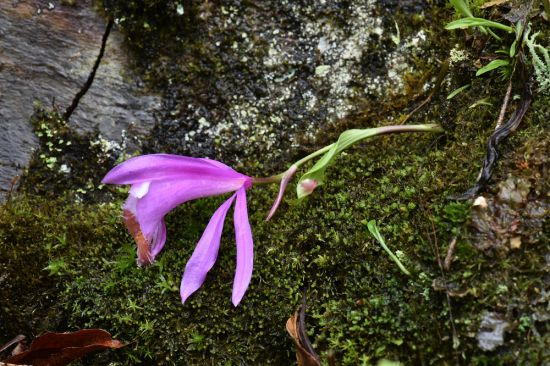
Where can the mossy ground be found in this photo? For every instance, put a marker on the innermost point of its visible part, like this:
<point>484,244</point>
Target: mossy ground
<point>362,305</point>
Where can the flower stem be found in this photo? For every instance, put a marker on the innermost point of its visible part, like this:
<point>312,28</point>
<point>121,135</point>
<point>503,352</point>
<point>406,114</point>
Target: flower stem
<point>311,156</point>
<point>273,179</point>
<point>379,131</point>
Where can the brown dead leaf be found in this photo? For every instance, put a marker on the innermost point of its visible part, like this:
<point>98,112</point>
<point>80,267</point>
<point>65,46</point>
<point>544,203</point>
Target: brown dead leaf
<point>492,3</point>
<point>303,356</point>
<point>60,349</point>
<point>304,350</point>
<point>292,328</point>
<point>515,242</point>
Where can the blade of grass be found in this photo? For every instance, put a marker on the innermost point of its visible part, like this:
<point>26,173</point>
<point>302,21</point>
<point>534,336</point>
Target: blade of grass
<point>479,22</point>
<point>458,91</point>
<point>374,231</point>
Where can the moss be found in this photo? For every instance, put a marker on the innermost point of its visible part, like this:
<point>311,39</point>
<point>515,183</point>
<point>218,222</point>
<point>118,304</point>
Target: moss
<point>323,244</point>
<point>36,233</point>
<point>362,305</point>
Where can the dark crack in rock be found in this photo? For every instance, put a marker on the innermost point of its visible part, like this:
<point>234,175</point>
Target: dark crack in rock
<point>47,50</point>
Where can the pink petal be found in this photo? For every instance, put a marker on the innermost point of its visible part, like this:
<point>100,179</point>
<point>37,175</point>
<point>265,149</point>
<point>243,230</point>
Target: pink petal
<point>205,253</point>
<point>163,166</point>
<point>164,195</point>
<point>284,181</point>
<point>159,238</point>
<point>218,164</point>
<point>245,249</point>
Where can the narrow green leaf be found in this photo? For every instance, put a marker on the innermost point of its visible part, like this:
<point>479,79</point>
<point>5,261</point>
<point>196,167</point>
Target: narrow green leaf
<point>494,35</point>
<point>519,30</point>
<point>472,22</point>
<point>348,139</point>
<point>462,7</point>
<point>513,49</point>
<point>546,4</point>
<point>480,102</point>
<point>458,91</point>
<point>374,231</point>
<point>492,65</point>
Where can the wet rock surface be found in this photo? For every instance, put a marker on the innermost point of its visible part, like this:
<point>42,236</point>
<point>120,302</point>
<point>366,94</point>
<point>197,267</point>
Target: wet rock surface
<point>47,50</point>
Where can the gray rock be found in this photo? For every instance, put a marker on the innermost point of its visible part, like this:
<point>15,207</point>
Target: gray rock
<point>47,51</point>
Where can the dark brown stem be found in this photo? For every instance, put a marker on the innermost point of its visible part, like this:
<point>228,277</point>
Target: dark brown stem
<point>90,80</point>
<point>9,195</point>
<point>19,338</point>
<point>502,132</point>
<point>417,108</point>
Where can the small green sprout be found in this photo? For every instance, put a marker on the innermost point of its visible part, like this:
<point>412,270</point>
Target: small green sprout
<point>458,91</point>
<point>397,38</point>
<point>197,342</point>
<point>166,285</point>
<point>492,65</point>
<point>62,241</point>
<point>480,102</point>
<point>55,266</point>
<point>371,225</point>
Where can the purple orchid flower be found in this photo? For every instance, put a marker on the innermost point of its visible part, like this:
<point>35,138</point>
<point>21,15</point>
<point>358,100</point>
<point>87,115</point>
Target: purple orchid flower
<point>162,182</point>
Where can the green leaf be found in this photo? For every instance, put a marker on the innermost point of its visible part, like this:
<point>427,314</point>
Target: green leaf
<point>346,140</point>
<point>492,65</point>
<point>462,7</point>
<point>513,49</point>
<point>371,225</point>
<point>480,102</point>
<point>494,35</point>
<point>519,30</point>
<point>546,4</point>
<point>458,91</point>
<point>55,266</point>
<point>473,22</point>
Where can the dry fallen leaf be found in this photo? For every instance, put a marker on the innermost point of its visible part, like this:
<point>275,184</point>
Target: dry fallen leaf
<point>515,242</point>
<point>303,356</point>
<point>304,350</point>
<point>492,3</point>
<point>60,349</point>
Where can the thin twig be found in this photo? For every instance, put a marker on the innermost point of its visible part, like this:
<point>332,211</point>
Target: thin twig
<point>442,73</point>
<point>504,105</point>
<point>19,338</point>
<point>450,252</point>
<point>9,195</point>
<point>417,108</point>
<point>455,336</point>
